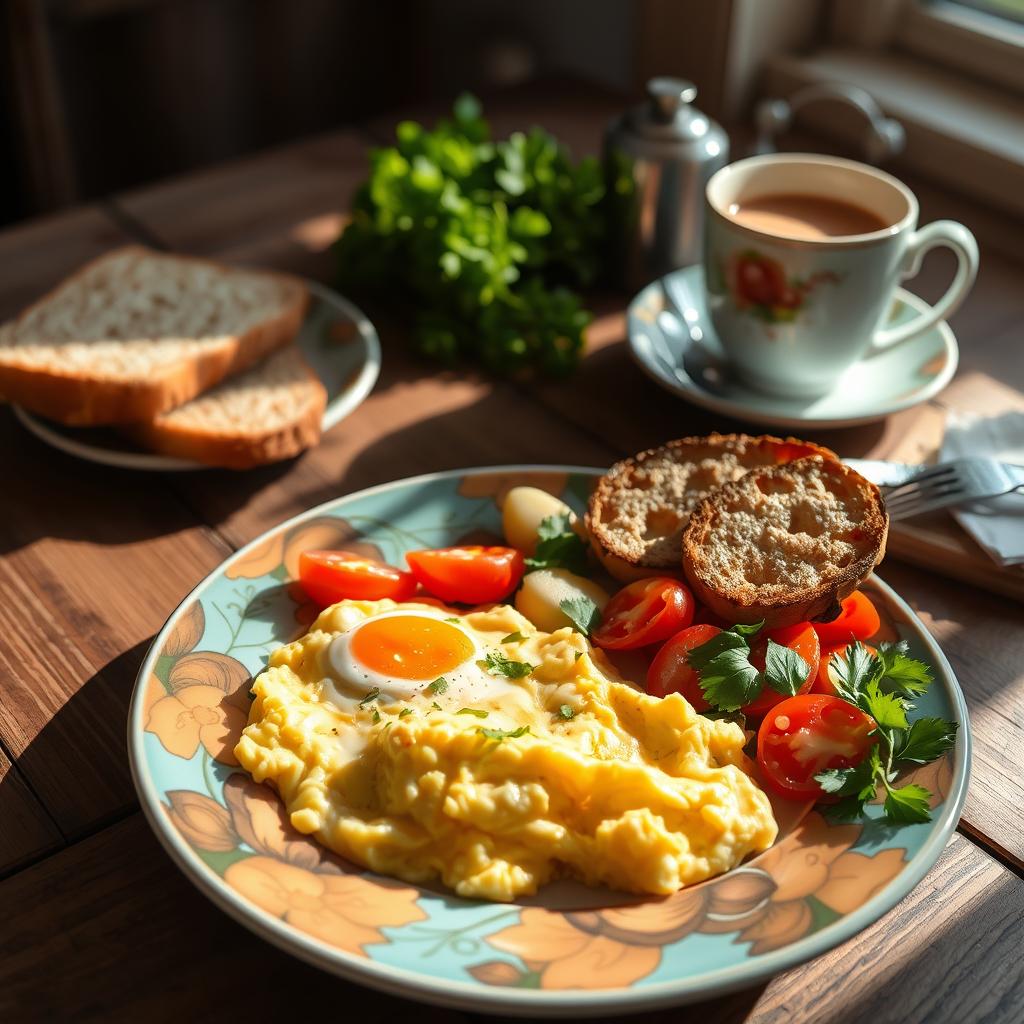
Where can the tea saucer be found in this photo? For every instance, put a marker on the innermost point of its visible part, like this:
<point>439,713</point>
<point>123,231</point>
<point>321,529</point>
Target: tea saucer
<point>674,342</point>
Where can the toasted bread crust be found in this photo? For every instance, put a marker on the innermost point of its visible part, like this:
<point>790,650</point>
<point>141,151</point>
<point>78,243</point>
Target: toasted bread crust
<point>786,605</point>
<point>623,553</point>
<point>232,451</point>
<point>78,399</point>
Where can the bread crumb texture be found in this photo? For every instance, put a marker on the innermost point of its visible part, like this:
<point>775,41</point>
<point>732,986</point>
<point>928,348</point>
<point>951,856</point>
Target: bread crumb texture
<point>775,532</point>
<point>257,402</point>
<point>136,312</point>
<point>655,493</point>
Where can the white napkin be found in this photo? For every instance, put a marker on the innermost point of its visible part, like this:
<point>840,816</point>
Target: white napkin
<point>998,524</point>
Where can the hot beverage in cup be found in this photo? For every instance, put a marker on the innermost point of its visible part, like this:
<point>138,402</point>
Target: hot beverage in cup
<point>802,256</point>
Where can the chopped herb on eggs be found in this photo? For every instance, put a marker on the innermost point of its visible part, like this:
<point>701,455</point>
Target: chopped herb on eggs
<point>370,697</point>
<point>513,638</point>
<point>504,734</point>
<point>453,618</point>
<point>566,712</point>
<point>475,712</point>
<point>435,705</point>
<point>579,654</point>
<point>439,685</point>
<point>404,712</point>
<point>498,665</point>
<point>376,716</point>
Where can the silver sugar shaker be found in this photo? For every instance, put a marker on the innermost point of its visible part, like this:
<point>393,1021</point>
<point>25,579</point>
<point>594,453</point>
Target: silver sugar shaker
<point>658,158</point>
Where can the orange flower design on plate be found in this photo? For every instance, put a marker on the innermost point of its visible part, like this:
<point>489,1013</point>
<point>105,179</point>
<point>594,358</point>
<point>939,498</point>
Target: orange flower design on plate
<point>610,948</point>
<point>291,876</point>
<point>342,910</point>
<point>497,485</point>
<point>284,547</point>
<point>207,703</point>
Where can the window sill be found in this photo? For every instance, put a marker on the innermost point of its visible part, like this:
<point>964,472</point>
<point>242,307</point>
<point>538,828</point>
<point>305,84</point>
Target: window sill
<point>961,134</point>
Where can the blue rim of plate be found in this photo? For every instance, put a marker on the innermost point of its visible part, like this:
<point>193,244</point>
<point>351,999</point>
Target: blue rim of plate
<point>341,404</point>
<point>528,1002</point>
<point>664,371</point>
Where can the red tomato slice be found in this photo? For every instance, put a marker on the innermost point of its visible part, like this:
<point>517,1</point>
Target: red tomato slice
<point>468,575</point>
<point>857,621</point>
<point>807,734</point>
<point>800,638</point>
<point>331,576</point>
<point>670,672</point>
<point>823,681</point>
<point>645,612</point>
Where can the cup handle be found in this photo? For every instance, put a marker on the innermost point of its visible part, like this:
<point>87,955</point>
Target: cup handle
<point>963,243</point>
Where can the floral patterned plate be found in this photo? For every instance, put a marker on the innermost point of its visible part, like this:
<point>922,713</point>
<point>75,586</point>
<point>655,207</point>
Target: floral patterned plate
<point>569,950</point>
<point>673,341</point>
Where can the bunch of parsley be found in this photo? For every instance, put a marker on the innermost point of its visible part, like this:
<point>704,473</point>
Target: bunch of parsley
<point>882,684</point>
<point>480,241</point>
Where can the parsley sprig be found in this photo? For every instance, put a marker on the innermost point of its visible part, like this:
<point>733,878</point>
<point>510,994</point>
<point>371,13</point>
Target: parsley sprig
<point>729,680</point>
<point>558,546</point>
<point>498,665</point>
<point>583,613</point>
<point>504,734</point>
<point>883,686</point>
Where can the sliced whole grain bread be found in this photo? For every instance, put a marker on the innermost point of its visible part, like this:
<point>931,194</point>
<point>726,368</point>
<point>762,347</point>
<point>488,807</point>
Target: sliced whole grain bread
<point>138,332</point>
<point>270,412</point>
<point>785,543</point>
<point>640,507</point>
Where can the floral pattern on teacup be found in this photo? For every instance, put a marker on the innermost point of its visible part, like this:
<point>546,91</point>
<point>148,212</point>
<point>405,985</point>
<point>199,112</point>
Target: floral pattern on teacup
<point>758,285</point>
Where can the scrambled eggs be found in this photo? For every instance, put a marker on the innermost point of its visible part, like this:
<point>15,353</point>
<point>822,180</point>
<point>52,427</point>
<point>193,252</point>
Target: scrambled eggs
<point>401,738</point>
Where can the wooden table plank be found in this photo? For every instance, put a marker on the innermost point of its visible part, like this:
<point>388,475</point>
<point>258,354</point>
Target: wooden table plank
<point>28,832</point>
<point>94,559</point>
<point>296,192</point>
<point>110,930</point>
<point>38,254</point>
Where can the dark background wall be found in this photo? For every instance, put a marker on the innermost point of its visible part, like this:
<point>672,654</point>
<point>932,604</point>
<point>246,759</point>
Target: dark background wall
<point>101,95</point>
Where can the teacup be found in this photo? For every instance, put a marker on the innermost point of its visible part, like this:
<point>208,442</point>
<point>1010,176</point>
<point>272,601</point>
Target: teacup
<point>795,304</point>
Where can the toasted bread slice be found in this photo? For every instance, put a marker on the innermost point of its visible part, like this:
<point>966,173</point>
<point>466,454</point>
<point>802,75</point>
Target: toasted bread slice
<point>640,507</point>
<point>785,543</point>
<point>271,412</point>
<point>136,332</point>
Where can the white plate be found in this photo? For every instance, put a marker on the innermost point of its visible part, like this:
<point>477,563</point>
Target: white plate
<point>673,340</point>
<point>347,366</point>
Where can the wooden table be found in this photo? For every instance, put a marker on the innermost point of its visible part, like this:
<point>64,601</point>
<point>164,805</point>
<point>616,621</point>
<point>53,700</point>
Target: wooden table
<point>96,921</point>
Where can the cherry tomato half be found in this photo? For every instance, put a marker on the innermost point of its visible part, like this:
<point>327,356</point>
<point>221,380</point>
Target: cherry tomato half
<point>468,575</point>
<point>671,672</point>
<point>800,638</point>
<point>331,576</point>
<point>645,612</point>
<point>823,681</point>
<point>857,621</point>
<point>807,734</point>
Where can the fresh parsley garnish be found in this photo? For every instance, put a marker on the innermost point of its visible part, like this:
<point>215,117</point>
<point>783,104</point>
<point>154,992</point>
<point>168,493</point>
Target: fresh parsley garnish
<point>784,670</point>
<point>565,711</point>
<point>435,705</point>
<point>452,618</point>
<point>558,546</point>
<point>439,685</point>
<point>370,697</point>
<point>475,712</point>
<point>882,685</point>
<point>582,613</point>
<point>404,712</point>
<point>513,638</point>
<point>727,678</point>
<point>498,665</point>
<point>376,716</point>
<point>503,734</point>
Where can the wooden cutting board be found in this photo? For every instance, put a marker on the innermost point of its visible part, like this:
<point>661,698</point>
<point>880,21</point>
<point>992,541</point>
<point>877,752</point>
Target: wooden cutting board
<point>937,542</point>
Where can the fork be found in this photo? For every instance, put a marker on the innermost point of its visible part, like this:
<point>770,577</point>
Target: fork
<point>955,482</point>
